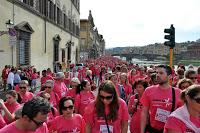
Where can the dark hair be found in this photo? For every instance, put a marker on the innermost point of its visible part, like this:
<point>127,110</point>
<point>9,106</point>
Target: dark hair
<point>191,91</point>
<point>167,68</point>
<point>44,71</point>
<point>108,87</point>
<point>42,94</point>
<point>62,101</point>
<point>180,71</point>
<point>189,72</point>
<point>80,86</point>
<point>142,82</point>
<point>34,106</point>
<point>13,93</point>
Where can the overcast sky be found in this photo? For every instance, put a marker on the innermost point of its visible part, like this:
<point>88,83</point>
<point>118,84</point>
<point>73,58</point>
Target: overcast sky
<point>142,22</point>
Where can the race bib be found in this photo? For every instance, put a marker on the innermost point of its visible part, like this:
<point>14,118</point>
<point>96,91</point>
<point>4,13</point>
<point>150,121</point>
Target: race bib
<point>104,129</point>
<point>162,115</point>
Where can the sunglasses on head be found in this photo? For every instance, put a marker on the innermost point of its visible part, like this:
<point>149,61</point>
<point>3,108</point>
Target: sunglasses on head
<point>70,107</point>
<point>197,100</point>
<point>107,97</point>
<point>37,123</point>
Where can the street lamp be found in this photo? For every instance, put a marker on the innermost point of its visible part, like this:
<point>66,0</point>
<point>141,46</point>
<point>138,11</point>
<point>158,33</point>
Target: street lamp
<point>9,25</point>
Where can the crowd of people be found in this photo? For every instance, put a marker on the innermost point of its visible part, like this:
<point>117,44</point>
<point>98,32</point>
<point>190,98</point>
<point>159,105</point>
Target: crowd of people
<point>106,95</point>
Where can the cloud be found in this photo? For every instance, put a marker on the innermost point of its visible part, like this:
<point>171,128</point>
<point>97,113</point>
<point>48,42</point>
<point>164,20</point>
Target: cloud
<point>141,22</point>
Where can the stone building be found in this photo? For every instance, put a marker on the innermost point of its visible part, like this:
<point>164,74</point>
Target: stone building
<point>47,32</point>
<point>92,44</point>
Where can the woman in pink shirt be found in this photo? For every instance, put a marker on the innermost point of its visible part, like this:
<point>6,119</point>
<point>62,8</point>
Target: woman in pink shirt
<point>135,106</point>
<point>73,91</point>
<point>108,113</point>
<point>24,94</point>
<point>68,121</point>
<point>12,105</point>
<point>85,97</point>
<point>59,85</point>
<point>186,119</point>
<point>123,81</point>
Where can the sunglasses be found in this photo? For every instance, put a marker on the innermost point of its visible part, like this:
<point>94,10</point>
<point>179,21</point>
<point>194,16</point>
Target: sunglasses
<point>197,100</point>
<point>70,107</point>
<point>107,97</point>
<point>193,77</point>
<point>37,123</point>
<point>22,87</point>
<point>48,87</point>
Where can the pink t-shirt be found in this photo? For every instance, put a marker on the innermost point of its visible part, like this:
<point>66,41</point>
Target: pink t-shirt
<point>98,125</point>
<point>159,102</point>
<point>42,129</point>
<point>135,119</point>
<point>60,88</point>
<point>51,116</point>
<point>71,93</point>
<point>26,97</point>
<point>34,76</point>
<point>11,128</point>
<point>17,88</point>
<point>2,122</point>
<point>12,108</point>
<point>54,98</point>
<point>76,124</point>
<point>44,79</point>
<point>178,125</point>
<point>82,100</point>
<point>127,88</point>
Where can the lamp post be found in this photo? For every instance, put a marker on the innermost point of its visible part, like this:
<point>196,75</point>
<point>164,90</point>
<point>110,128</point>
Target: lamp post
<point>9,25</point>
<point>12,33</point>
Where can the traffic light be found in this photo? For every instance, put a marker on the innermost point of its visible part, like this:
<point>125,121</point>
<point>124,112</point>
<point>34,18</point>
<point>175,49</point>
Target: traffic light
<point>170,36</point>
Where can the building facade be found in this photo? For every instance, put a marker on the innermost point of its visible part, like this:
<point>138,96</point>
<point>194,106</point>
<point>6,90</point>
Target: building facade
<point>92,44</point>
<point>47,33</point>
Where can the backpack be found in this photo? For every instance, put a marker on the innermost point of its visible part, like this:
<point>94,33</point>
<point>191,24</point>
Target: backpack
<point>122,92</point>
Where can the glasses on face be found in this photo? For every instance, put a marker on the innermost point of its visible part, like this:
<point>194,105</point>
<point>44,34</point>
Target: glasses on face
<point>8,97</point>
<point>48,87</point>
<point>107,97</point>
<point>38,123</point>
<point>197,100</point>
<point>70,107</point>
<point>22,87</point>
<point>193,78</point>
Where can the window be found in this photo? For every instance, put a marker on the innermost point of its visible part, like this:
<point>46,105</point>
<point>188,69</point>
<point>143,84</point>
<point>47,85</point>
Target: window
<point>58,16</point>
<point>63,55</point>
<point>69,52</point>
<point>56,50</point>
<point>21,52</point>
<point>23,48</point>
<point>64,21</point>
<point>70,24</point>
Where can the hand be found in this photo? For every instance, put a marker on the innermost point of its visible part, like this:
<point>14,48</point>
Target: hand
<point>1,103</point>
<point>135,101</point>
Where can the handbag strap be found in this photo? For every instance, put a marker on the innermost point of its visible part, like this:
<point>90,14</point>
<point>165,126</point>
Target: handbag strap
<point>107,123</point>
<point>173,99</point>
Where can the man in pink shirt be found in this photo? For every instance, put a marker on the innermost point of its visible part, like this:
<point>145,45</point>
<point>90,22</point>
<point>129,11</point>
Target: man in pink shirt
<point>158,101</point>
<point>45,77</point>
<point>34,114</point>
<point>25,95</point>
